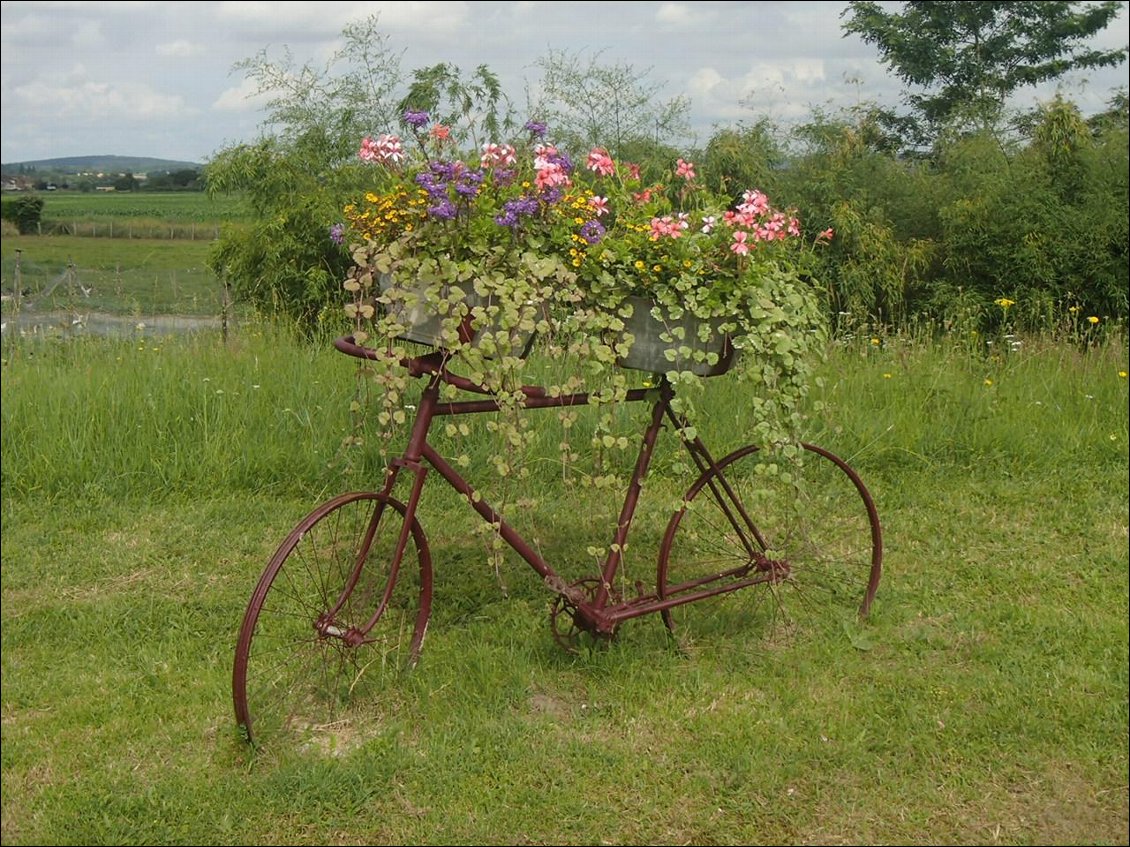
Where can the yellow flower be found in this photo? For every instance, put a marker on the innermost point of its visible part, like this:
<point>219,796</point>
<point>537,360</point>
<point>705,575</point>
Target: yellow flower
<point>875,341</point>
<point>988,382</point>
<point>1122,374</point>
<point>1093,319</point>
<point>886,376</point>
<point>1004,302</point>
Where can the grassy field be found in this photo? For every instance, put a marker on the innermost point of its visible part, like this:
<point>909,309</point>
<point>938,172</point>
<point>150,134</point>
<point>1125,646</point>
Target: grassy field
<point>135,277</point>
<point>145,484</point>
<point>179,206</point>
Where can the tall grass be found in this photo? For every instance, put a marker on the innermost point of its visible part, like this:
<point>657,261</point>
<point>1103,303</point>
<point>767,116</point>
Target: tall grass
<point>984,701</point>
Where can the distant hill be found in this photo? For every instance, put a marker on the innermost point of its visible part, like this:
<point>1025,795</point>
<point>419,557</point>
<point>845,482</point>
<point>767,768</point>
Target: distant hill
<point>99,164</point>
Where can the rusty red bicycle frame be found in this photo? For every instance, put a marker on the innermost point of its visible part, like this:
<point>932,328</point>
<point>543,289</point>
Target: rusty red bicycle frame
<point>597,615</point>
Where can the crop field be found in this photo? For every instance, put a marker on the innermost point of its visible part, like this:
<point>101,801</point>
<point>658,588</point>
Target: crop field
<point>174,206</point>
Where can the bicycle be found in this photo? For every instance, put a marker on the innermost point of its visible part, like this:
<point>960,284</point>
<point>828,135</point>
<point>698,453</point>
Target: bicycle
<point>346,599</point>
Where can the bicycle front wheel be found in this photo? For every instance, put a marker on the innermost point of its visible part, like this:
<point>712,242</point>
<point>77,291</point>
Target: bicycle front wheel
<point>334,617</point>
<point>787,546</point>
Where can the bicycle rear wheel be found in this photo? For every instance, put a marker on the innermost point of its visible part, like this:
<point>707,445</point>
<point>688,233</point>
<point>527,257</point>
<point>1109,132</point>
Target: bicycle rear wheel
<point>793,547</point>
<point>306,655</point>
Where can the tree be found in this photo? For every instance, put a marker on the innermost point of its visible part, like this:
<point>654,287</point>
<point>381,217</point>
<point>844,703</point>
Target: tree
<point>967,57</point>
<point>597,105</point>
<point>301,174</point>
<point>125,182</point>
<point>468,106</point>
<point>26,212</point>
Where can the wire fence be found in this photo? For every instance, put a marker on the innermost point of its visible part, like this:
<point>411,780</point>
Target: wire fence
<point>190,231</point>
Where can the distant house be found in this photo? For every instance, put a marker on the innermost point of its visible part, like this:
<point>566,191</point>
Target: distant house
<point>104,188</point>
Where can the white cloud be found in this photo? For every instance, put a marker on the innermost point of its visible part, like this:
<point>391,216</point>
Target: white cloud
<point>94,100</point>
<point>144,72</point>
<point>244,97</point>
<point>180,49</point>
<point>680,15</point>
<point>88,36</point>
<point>313,21</point>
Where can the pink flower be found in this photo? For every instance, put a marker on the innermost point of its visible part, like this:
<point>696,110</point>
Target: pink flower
<point>440,132</point>
<point>599,205</point>
<point>754,202</point>
<point>600,162</point>
<point>543,154</point>
<point>685,170</point>
<point>666,226</point>
<point>825,236</point>
<point>550,175</point>
<point>386,148</point>
<point>497,154</point>
<point>368,151</point>
<point>633,171</point>
<point>739,246</point>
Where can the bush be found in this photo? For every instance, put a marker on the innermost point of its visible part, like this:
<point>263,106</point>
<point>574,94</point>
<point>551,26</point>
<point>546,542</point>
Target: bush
<point>25,212</point>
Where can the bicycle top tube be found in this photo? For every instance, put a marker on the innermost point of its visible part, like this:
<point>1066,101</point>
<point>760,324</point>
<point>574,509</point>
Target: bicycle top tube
<point>429,364</point>
<point>434,364</point>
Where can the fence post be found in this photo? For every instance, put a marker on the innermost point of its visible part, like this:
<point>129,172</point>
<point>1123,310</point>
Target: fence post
<point>225,305</point>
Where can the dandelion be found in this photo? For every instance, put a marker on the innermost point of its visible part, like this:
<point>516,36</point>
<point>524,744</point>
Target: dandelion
<point>1122,374</point>
<point>1092,320</point>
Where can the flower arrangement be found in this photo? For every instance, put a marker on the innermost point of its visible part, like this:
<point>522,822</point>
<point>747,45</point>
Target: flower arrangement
<point>517,239</point>
<point>483,244</point>
<point>693,282</point>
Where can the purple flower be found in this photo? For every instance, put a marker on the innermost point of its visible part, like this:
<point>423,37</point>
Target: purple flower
<point>536,128</point>
<point>514,210</point>
<point>552,196</point>
<point>337,233</point>
<point>468,182</point>
<point>503,176</point>
<point>415,118</point>
<point>443,210</point>
<point>592,232</point>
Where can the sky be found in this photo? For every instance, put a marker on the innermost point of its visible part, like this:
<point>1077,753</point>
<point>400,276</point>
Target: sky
<point>157,79</point>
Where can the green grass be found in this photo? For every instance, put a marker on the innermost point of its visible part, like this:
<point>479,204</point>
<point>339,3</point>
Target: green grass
<point>179,207</point>
<point>145,484</point>
<point>117,276</point>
